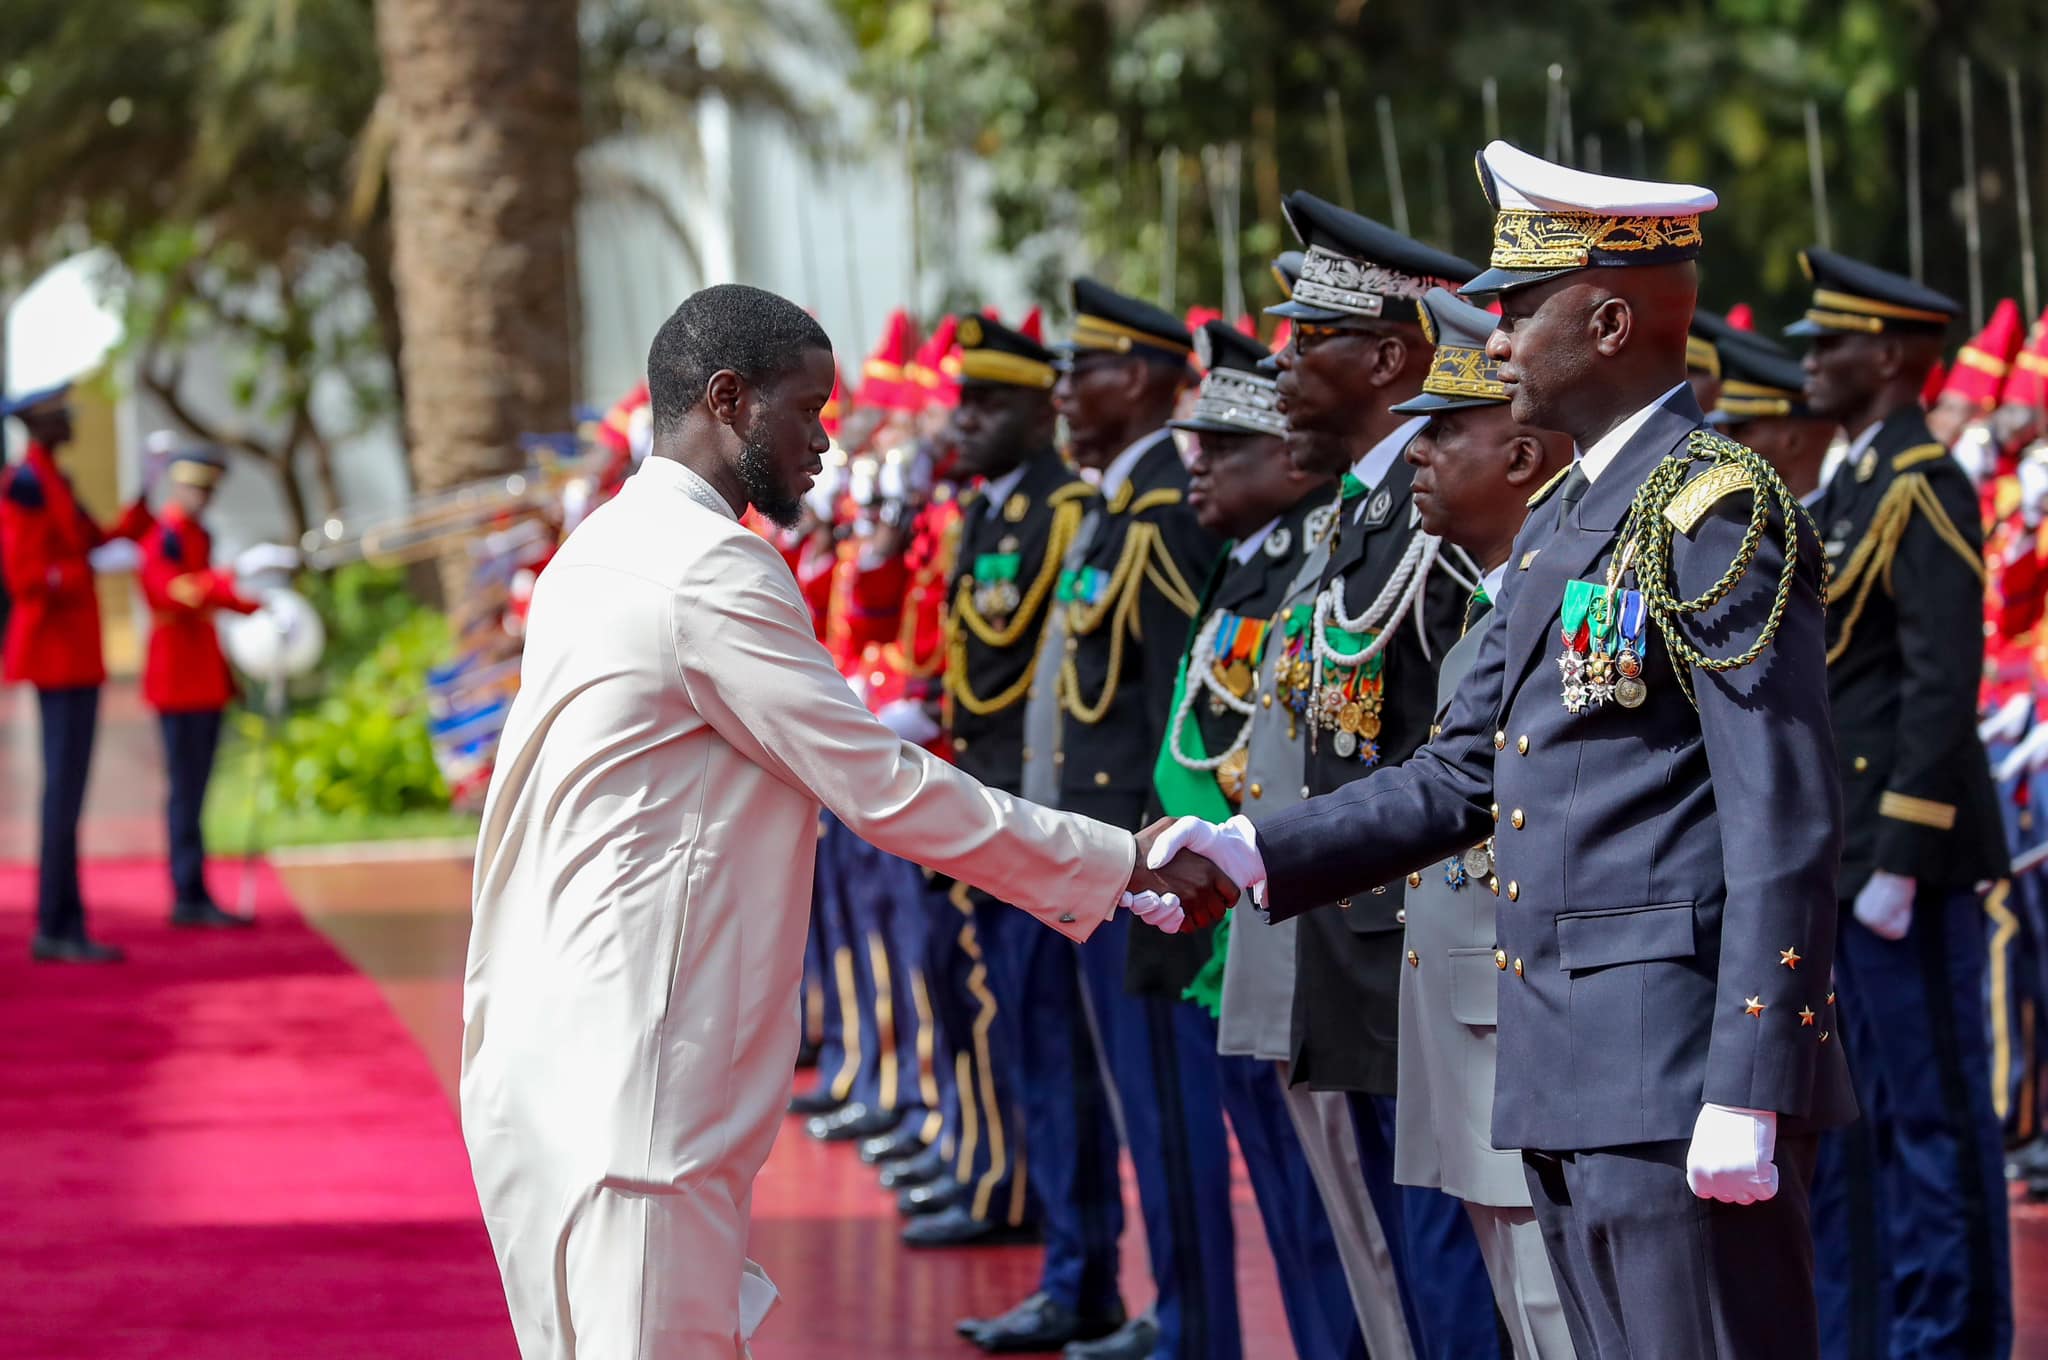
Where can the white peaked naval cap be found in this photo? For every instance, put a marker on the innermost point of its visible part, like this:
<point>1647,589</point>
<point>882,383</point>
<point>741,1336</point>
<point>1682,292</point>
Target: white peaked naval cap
<point>1550,219</point>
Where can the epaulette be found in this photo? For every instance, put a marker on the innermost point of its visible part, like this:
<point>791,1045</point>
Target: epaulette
<point>1153,500</point>
<point>1072,491</point>
<point>1543,492</point>
<point>173,546</point>
<point>1917,455</point>
<point>24,488</point>
<point>1705,491</point>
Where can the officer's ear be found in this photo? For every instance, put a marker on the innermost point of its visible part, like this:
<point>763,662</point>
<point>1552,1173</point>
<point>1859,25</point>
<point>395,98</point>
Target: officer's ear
<point>1525,461</point>
<point>724,395</point>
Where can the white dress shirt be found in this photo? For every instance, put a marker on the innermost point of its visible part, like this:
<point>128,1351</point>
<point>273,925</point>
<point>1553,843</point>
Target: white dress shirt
<point>1594,461</point>
<point>1253,541</point>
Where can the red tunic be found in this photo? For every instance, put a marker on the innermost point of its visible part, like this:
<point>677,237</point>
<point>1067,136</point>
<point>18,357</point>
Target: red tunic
<point>53,631</point>
<point>185,671</point>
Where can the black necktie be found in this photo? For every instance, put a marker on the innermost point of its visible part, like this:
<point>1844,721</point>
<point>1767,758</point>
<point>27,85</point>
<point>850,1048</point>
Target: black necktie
<point>1572,492</point>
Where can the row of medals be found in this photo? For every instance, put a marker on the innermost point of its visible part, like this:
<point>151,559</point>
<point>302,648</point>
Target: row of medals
<point>1592,679</point>
<point>995,601</point>
<point>1351,721</point>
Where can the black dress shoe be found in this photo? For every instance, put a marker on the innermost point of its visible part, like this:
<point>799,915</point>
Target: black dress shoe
<point>925,1167</point>
<point>818,1101</point>
<point>207,916</point>
<point>901,1142</point>
<point>851,1123</point>
<point>930,1198</point>
<point>50,950</point>
<point>1040,1323</point>
<point>956,1227</point>
<point>1135,1340</point>
<point>2028,1161</point>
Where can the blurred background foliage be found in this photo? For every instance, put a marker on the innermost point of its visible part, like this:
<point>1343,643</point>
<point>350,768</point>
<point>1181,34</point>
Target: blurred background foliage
<point>1072,103</point>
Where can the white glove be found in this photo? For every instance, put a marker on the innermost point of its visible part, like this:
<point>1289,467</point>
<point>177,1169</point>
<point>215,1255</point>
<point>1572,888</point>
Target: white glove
<point>254,561</point>
<point>1885,906</point>
<point>2029,754</point>
<point>1731,1155</point>
<point>116,554</point>
<point>2007,723</point>
<point>908,719</point>
<point>1232,847</point>
<point>1161,911</point>
<point>2033,476</point>
<point>1976,451</point>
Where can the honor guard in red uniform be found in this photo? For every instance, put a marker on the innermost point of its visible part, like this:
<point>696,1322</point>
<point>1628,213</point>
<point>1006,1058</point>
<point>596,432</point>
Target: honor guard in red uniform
<point>185,678</point>
<point>53,643</point>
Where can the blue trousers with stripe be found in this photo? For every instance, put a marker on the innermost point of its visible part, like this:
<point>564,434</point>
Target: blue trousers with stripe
<point>70,717</point>
<point>984,1125</point>
<point>885,899</point>
<point>1313,1289</point>
<point>847,1022</point>
<point>1445,1293</point>
<point>1914,1256</point>
<point>1069,1132</point>
<point>1162,1059</point>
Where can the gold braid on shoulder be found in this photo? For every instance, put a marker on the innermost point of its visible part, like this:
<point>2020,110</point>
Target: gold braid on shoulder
<point>1670,502</point>
<point>902,653</point>
<point>1872,559</point>
<point>963,620</point>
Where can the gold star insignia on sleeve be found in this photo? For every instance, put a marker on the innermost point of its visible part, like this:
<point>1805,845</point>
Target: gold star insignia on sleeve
<point>1806,1015</point>
<point>1752,1005</point>
<point>1789,957</point>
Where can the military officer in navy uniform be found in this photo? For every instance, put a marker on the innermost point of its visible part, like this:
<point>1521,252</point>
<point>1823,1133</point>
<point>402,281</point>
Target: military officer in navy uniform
<point>1125,598</point>
<point>1476,469</point>
<point>1361,658</point>
<point>1762,403</point>
<point>1703,355</point>
<point>1905,653</point>
<point>1645,737</point>
<point>1245,488</point>
<point>1013,536</point>
<point>1259,975</point>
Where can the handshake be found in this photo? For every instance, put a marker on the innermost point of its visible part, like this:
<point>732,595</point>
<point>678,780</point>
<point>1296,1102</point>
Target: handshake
<point>1189,872</point>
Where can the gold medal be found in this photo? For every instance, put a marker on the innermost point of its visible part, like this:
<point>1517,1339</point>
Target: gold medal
<point>1017,507</point>
<point>1349,717</point>
<point>1230,776</point>
<point>1368,724</point>
<point>1238,678</point>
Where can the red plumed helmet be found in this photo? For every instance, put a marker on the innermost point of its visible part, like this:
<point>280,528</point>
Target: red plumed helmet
<point>1981,366</point>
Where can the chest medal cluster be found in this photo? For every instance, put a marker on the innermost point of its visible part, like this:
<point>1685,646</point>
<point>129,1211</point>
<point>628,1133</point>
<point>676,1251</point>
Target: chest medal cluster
<point>1602,657</point>
<point>1223,668</point>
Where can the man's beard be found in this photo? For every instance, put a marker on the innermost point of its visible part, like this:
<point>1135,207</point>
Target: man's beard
<point>764,492</point>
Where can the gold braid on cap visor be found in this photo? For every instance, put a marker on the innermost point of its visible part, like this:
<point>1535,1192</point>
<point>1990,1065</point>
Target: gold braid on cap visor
<point>1456,371</point>
<point>1527,239</point>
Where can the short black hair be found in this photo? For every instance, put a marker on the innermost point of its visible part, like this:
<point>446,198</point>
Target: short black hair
<point>755,333</point>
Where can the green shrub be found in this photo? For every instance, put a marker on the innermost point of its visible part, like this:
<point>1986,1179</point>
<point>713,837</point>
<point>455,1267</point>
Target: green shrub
<point>354,743</point>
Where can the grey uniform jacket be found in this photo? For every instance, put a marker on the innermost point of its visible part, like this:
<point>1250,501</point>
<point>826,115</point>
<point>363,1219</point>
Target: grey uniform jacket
<point>1443,1130</point>
<point>1667,873</point>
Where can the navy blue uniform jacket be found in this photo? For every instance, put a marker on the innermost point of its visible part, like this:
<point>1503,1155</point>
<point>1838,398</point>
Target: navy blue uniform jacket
<point>1666,873</point>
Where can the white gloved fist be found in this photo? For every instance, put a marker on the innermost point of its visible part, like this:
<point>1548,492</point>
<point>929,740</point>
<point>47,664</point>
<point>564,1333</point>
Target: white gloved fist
<point>262,557</point>
<point>2007,723</point>
<point>1885,906</point>
<point>116,554</point>
<point>1732,1152</point>
<point>1976,452</point>
<point>1161,911</point>
<point>909,720</point>
<point>1232,847</point>
<point>2033,475</point>
<point>2031,752</point>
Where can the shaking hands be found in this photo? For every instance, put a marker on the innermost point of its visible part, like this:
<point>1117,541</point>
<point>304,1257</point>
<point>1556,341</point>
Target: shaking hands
<point>1175,889</point>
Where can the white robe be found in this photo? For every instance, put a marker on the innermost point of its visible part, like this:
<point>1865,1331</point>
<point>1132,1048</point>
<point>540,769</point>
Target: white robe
<point>643,891</point>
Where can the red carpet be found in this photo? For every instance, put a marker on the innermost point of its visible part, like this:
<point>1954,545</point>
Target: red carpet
<point>227,1147</point>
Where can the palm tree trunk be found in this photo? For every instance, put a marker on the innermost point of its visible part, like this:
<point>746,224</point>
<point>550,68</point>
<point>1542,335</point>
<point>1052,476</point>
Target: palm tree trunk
<point>483,201</point>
